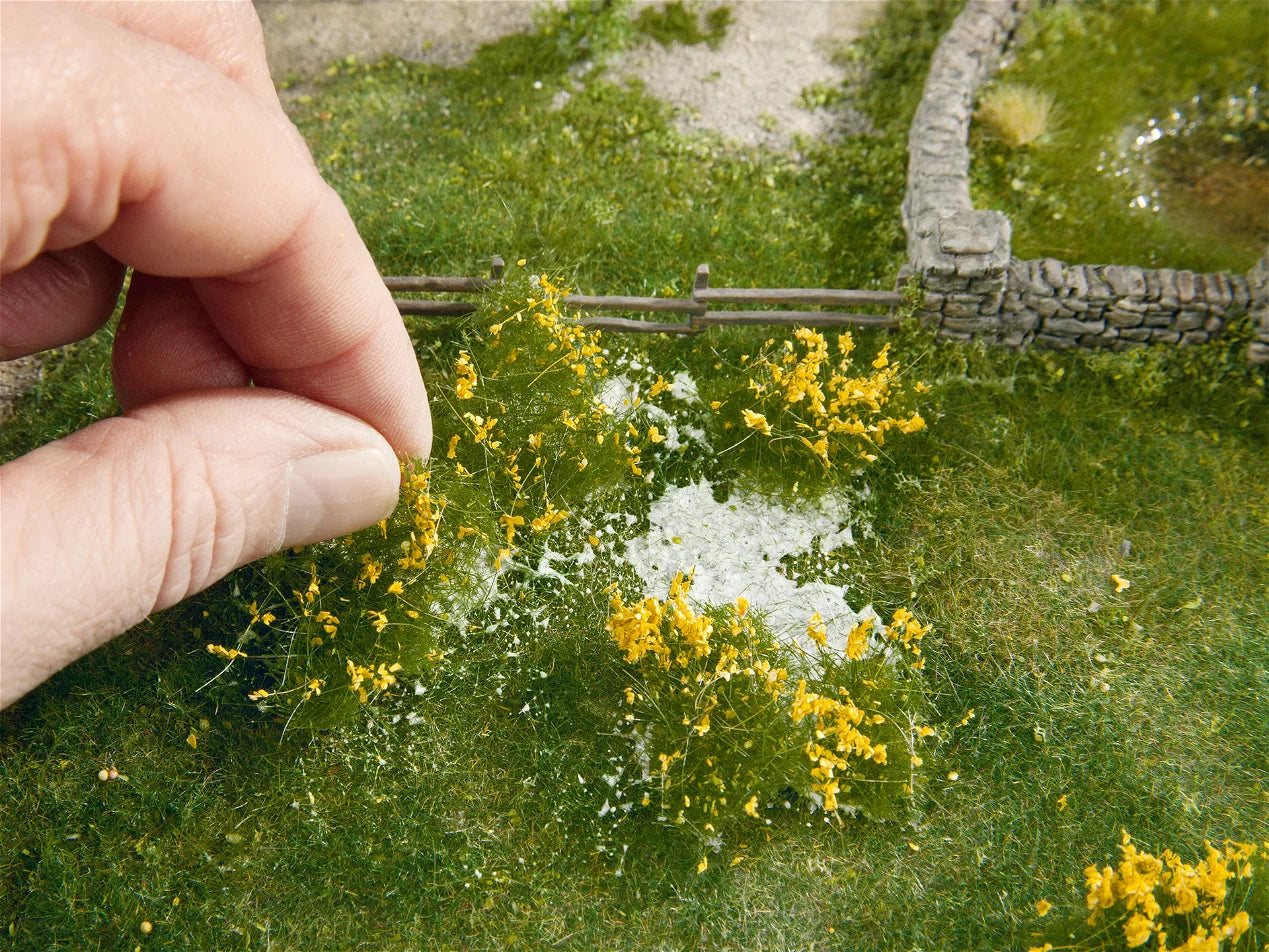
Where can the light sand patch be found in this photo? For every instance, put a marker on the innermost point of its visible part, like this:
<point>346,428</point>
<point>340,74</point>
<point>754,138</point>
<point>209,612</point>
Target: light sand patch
<point>734,548</point>
<point>748,89</point>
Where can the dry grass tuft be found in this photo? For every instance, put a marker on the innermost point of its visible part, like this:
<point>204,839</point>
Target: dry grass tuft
<point>1018,114</point>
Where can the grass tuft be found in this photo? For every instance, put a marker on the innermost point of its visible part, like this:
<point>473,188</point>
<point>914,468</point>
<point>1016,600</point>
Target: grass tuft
<point>1020,115</point>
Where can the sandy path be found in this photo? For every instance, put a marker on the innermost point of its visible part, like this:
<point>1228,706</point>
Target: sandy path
<point>747,89</point>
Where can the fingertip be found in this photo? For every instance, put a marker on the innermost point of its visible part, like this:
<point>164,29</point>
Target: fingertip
<point>337,492</point>
<point>58,298</point>
<point>133,514</point>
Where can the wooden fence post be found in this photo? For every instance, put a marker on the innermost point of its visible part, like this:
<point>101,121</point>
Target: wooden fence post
<point>701,283</point>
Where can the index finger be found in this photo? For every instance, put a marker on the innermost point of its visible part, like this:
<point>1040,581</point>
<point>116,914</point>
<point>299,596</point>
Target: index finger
<point>174,168</point>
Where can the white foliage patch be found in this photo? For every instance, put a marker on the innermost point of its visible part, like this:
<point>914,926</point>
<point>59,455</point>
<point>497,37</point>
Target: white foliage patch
<point>734,549</point>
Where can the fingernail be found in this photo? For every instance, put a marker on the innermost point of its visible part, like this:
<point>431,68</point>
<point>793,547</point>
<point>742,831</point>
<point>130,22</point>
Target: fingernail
<point>334,493</point>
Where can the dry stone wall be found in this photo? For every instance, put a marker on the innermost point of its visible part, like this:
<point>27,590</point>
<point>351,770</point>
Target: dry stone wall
<point>975,288</point>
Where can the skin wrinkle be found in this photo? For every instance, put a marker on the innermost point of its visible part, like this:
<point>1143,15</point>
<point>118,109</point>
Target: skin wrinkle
<point>81,461</point>
<point>139,532</point>
<point>192,497</point>
<point>316,369</point>
<point>50,196</point>
<point>124,160</point>
<point>296,245</point>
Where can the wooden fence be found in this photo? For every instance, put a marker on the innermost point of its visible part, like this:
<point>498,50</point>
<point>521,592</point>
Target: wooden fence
<point>696,309</point>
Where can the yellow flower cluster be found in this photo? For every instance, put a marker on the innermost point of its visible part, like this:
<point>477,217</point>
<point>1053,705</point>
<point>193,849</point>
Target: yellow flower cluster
<point>465,373</point>
<point>513,470</point>
<point>904,627</point>
<point>380,679</point>
<point>637,628</point>
<point>836,721</point>
<point>710,713</point>
<point>1155,894</point>
<point>571,343</point>
<point>425,510</point>
<point>828,409</point>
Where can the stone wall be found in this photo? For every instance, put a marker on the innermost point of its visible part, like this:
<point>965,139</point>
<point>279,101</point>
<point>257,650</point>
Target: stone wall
<point>1258,284</point>
<point>974,286</point>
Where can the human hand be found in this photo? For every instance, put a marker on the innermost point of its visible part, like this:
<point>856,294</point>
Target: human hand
<point>150,134</point>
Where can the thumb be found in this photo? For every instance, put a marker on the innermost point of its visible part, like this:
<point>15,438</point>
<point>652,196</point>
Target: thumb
<point>133,514</point>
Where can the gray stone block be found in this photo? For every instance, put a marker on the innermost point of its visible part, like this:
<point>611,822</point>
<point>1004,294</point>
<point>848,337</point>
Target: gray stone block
<point>1185,286</point>
<point>1240,291</point>
<point>1025,321</point>
<point>1053,273</point>
<point>1099,340</point>
<point>1153,286</point>
<point>1257,353</point>
<point>954,335</point>
<point>1135,333</point>
<point>1125,280</point>
<point>1044,305</point>
<point>1078,305</point>
<point>969,233</point>
<point>1165,337</point>
<point>1194,337</point>
<point>1214,324</point>
<point>1159,318</point>
<point>943,283</point>
<point>1206,290</point>
<point>1077,282</point>
<point>1055,343</point>
<point>1188,320</point>
<point>971,266</point>
<point>976,325</point>
<point>1136,306</point>
<point>1016,339</point>
<point>1069,326</point>
<point>1122,344</point>
<point>1012,303</point>
<point>1218,284</point>
<point>954,310</point>
<point>1098,289</point>
<point>1118,317</point>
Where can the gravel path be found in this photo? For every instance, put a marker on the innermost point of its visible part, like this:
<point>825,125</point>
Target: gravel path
<point>747,89</point>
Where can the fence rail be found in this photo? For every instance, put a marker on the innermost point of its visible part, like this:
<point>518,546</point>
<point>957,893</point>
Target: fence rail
<point>695,308</point>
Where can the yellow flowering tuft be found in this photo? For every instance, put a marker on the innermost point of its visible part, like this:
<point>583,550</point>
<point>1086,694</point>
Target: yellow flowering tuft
<point>1164,897</point>
<point>806,391</point>
<point>756,421</point>
<point>857,640</point>
<point>815,630</point>
<point>466,383</point>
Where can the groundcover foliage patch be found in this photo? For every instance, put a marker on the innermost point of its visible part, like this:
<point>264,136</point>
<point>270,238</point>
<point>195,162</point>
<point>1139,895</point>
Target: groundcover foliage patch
<point>477,725</point>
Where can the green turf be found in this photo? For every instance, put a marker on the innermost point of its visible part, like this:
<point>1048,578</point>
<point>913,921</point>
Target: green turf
<point>474,827</point>
<point>1122,74</point>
